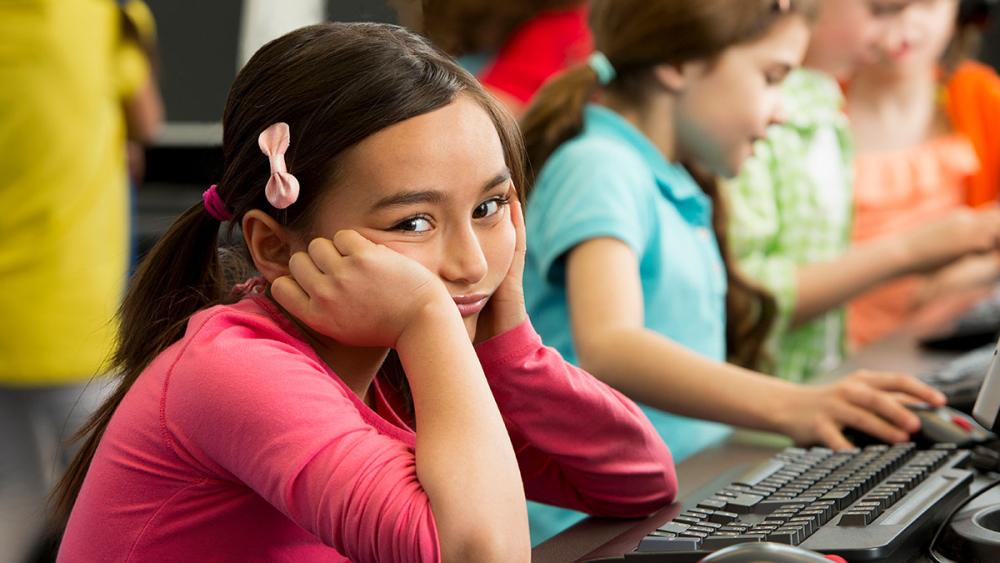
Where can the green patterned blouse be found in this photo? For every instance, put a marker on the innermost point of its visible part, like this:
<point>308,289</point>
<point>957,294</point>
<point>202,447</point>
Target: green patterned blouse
<point>791,205</point>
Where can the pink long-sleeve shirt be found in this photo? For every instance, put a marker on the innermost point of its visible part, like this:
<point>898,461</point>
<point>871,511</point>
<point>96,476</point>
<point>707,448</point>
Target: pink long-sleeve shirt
<point>238,443</point>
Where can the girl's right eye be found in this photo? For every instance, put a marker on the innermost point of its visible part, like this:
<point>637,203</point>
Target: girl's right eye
<point>413,225</point>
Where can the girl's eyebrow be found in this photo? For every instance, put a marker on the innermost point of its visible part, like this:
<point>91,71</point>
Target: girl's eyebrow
<point>404,198</point>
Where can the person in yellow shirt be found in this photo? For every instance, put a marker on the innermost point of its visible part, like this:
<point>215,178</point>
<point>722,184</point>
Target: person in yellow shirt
<point>75,83</point>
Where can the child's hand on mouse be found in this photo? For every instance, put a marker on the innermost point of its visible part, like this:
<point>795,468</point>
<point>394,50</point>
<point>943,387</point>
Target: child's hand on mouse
<point>872,402</point>
<point>357,292</point>
<point>505,309</point>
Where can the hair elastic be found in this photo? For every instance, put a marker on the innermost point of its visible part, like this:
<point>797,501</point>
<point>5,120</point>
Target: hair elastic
<point>602,67</point>
<point>213,203</point>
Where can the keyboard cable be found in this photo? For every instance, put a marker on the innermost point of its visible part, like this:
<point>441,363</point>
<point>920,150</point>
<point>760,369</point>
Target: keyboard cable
<point>932,552</point>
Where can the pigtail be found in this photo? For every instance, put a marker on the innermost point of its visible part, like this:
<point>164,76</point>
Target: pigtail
<point>556,114</point>
<point>750,309</point>
<point>181,275</point>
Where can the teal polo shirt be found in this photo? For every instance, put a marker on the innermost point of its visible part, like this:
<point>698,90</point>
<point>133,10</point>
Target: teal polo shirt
<point>611,181</point>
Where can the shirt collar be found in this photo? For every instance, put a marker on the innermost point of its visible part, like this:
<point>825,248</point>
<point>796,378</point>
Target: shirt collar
<point>674,181</point>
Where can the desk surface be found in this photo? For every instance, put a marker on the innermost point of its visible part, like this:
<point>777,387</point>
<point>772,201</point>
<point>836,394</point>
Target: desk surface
<point>898,353</point>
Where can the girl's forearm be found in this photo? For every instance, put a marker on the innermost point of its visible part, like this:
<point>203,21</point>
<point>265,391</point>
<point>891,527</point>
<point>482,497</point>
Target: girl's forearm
<point>823,286</point>
<point>663,374</point>
<point>465,461</point>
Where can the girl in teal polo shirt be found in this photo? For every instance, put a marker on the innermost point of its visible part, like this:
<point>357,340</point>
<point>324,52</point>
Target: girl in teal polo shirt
<point>626,271</point>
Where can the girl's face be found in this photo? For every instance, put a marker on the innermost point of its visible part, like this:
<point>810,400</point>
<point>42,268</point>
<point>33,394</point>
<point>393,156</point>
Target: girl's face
<point>850,33</point>
<point>926,27</point>
<point>434,188</point>
<point>727,104</point>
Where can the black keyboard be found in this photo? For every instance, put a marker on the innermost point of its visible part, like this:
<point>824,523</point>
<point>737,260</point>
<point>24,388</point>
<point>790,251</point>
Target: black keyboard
<point>876,503</point>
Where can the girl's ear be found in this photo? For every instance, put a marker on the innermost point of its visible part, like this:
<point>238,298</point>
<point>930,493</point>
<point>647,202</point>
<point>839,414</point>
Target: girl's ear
<point>671,78</point>
<point>268,242</point>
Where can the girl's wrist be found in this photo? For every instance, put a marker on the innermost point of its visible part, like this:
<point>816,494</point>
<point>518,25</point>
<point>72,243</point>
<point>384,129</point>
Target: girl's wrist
<point>775,405</point>
<point>436,315</point>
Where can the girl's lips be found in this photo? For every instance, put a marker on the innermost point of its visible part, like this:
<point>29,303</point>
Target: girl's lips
<point>469,305</point>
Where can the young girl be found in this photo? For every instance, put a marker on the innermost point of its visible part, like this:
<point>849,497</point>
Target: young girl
<point>621,244</point>
<point>335,408</point>
<point>925,122</point>
<point>792,201</point>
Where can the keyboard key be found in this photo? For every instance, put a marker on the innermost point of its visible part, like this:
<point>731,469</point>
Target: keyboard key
<point>654,544</point>
<point>788,536</point>
<point>713,503</point>
<point>718,542</point>
<point>772,504</point>
<point>759,472</point>
<point>674,527</point>
<point>855,518</point>
<point>722,517</point>
<point>742,504</point>
<point>687,520</point>
<point>842,498</point>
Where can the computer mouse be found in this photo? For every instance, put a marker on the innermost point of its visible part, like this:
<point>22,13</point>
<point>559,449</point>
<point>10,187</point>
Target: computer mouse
<point>760,552</point>
<point>945,424</point>
<point>937,425</point>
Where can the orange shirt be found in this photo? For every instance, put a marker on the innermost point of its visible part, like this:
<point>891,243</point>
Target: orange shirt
<point>895,191</point>
<point>898,190</point>
<point>974,108</point>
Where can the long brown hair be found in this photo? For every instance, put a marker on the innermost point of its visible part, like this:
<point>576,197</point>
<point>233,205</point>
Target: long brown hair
<point>636,36</point>
<point>334,84</point>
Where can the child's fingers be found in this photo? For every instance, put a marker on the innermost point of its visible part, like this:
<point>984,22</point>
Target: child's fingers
<point>871,424</point>
<point>882,404</point>
<point>307,274</point>
<point>350,242</point>
<point>830,436</point>
<point>290,295</point>
<point>906,384</point>
<point>517,217</point>
<point>325,255</point>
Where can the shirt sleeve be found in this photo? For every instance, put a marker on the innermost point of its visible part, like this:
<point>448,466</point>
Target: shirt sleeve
<point>131,61</point>
<point>588,190</point>
<point>579,443</point>
<point>273,419</point>
<point>755,228</point>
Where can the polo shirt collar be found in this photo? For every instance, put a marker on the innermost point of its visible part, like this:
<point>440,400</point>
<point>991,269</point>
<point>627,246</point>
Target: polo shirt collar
<point>674,181</point>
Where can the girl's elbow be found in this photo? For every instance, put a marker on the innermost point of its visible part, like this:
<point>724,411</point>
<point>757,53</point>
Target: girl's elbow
<point>657,490</point>
<point>488,545</point>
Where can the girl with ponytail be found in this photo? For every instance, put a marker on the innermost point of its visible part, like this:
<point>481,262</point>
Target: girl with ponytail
<point>627,245</point>
<point>349,402</point>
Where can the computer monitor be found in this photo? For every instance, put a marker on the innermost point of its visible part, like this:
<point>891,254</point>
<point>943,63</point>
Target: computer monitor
<point>987,408</point>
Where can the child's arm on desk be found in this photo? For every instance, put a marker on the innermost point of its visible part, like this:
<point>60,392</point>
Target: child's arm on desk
<point>606,307</point>
<point>579,443</point>
<point>825,285</point>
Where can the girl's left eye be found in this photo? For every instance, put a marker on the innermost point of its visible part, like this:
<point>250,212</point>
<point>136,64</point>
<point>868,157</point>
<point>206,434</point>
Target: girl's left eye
<point>414,225</point>
<point>489,207</point>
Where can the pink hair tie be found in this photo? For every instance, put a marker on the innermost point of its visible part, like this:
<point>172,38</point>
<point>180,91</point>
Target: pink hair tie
<point>282,188</point>
<point>213,203</point>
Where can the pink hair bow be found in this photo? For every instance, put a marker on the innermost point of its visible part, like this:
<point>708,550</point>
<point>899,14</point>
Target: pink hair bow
<point>282,188</point>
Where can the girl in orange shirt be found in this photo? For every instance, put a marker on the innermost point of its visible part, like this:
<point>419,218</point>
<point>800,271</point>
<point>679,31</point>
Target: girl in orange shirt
<point>927,126</point>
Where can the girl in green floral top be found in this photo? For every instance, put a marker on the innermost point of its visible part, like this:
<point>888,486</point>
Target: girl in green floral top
<point>790,205</point>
